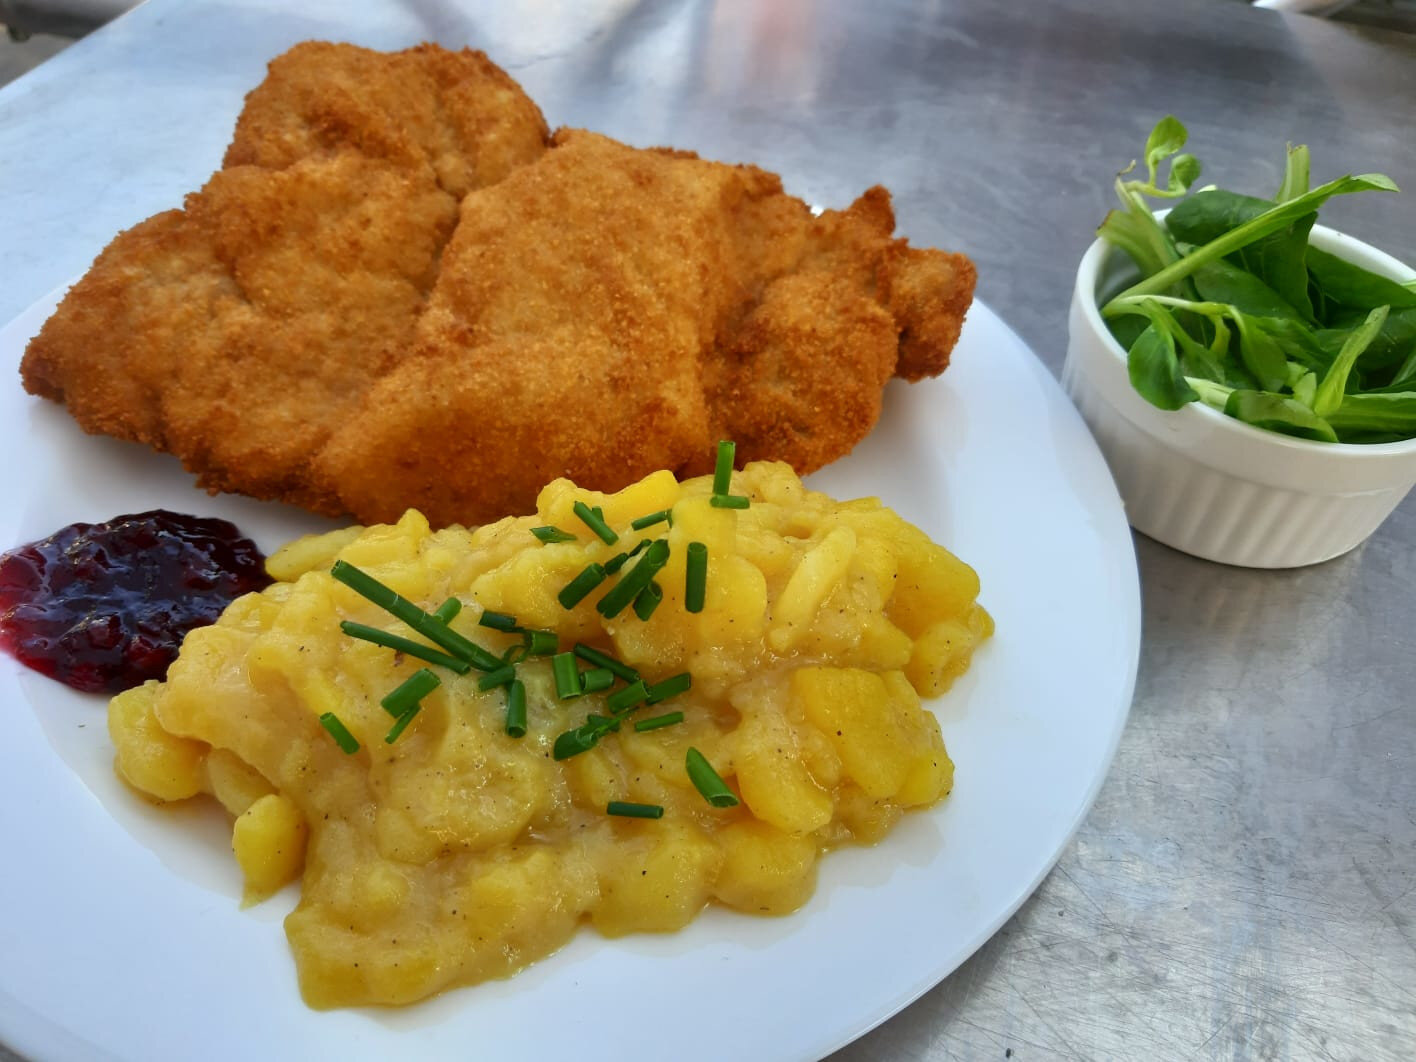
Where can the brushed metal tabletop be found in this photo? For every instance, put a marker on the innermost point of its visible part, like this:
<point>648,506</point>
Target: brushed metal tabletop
<point>1245,886</point>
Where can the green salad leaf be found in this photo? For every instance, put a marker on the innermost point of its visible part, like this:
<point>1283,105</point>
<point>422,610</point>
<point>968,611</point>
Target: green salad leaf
<point>1378,417</point>
<point>1233,307</point>
<point>1277,260</point>
<point>1222,281</point>
<point>1281,413</point>
<point>1391,346</point>
<point>1154,368</point>
<point>1343,284</point>
<point>1261,353</point>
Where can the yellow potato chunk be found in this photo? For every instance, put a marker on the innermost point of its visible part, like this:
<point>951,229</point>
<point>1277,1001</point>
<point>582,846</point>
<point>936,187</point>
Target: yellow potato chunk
<point>310,553</point>
<point>764,870</point>
<point>362,892</point>
<point>931,773</point>
<point>556,504</point>
<point>884,646</point>
<point>876,558</point>
<point>659,880</point>
<point>816,575</point>
<point>698,520</point>
<point>269,841</point>
<point>942,653</point>
<point>233,781</point>
<point>527,585</point>
<point>148,758</point>
<point>882,738</point>
<point>865,819</point>
<point>931,583</point>
<point>773,777</point>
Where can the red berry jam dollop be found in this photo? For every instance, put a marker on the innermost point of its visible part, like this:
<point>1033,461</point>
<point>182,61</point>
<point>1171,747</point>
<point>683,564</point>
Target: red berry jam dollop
<point>104,607</point>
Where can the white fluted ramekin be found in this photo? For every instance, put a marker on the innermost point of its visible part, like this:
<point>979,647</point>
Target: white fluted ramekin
<point>1211,485</point>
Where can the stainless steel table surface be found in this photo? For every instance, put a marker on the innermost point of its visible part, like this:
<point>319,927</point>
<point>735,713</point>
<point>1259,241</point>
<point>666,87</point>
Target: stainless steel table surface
<point>1246,884</point>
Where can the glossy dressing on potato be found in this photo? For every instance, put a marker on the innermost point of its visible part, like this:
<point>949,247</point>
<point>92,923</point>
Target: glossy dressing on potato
<point>457,853</point>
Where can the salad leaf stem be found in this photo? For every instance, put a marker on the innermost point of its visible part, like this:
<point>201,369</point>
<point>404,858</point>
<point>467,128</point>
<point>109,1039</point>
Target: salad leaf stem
<point>1295,174</point>
<point>1134,228</point>
<point>1334,382</point>
<point>1135,304</point>
<point>1210,393</point>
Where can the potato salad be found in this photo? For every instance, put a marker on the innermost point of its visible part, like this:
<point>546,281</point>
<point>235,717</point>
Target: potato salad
<point>466,743</point>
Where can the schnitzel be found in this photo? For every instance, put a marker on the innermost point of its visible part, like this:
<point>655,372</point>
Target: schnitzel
<point>400,290</point>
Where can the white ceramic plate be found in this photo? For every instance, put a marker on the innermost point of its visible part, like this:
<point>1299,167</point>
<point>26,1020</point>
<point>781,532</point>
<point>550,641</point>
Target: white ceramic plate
<point>121,933</point>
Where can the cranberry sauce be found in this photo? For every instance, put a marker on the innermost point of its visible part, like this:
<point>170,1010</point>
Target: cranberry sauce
<point>105,606</point>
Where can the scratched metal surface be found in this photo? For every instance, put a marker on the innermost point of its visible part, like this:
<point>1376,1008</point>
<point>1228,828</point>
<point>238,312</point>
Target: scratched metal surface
<point>1246,885</point>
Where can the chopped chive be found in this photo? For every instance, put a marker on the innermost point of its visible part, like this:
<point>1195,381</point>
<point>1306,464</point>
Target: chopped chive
<point>669,687</point>
<point>574,591</point>
<point>540,643</point>
<point>628,587</point>
<point>498,621</point>
<point>729,501</point>
<point>567,675</point>
<point>404,645</point>
<point>650,519</point>
<point>410,691</point>
<point>516,709</point>
<point>480,658</point>
<point>696,577</point>
<point>618,561</point>
<point>448,610</point>
<point>707,781</point>
<point>594,519</point>
<point>723,470</point>
<point>584,737</point>
<point>596,679</point>
<point>500,677</point>
<point>402,724</point>
<point>647,600</point>
<point>515,654</point>
<point>659,721</point>
<point>340,733</point>
<point>600,659</point>
<point>627,698</point>
<point>574,742</point>
<point>550,533</point>
<point>630,810</point>
<point>428,626</point>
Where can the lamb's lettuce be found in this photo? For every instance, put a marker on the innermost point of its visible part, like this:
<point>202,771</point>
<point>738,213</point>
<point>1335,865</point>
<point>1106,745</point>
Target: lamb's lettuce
<point>1233,307</point>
